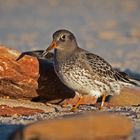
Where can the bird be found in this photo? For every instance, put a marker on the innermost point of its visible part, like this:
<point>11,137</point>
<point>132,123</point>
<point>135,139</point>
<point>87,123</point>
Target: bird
<point>83,71</point>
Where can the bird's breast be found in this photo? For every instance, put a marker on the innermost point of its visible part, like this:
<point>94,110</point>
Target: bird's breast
<point>75,77</point>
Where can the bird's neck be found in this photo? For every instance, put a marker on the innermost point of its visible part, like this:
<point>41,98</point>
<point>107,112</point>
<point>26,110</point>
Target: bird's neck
<point>61,56</point>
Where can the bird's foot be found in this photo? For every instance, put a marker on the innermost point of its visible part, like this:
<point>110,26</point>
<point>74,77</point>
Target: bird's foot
<point>73,109</point>
<point>101,108</point>
<point>77,104</point>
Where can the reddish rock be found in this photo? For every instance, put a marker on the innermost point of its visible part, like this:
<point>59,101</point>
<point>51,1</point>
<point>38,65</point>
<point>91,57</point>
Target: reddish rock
<point>17,79</point>
<point>10,111</point>
<point>88,127</point>
<point>10,107</point>
<point>127,97</point>
<point>22,71</point>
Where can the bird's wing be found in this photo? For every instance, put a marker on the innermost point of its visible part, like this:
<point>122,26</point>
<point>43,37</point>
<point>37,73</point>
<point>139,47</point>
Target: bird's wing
<point>101,68</point>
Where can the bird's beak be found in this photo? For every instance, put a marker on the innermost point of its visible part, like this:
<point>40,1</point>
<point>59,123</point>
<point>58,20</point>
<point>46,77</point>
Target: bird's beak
<point>51,46</point>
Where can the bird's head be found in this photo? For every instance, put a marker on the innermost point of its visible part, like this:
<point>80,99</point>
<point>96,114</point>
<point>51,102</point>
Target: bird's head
<point>63,41</point>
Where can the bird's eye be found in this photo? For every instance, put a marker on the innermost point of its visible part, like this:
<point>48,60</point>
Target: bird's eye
<point>63,37</point>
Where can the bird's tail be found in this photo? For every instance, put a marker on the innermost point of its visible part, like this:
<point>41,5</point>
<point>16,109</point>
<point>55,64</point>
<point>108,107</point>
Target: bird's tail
<point>134,82</point>
<point>126,80</point>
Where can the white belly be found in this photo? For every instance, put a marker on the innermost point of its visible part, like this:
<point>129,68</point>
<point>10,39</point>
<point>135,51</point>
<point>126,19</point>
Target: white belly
<point>82,83</point>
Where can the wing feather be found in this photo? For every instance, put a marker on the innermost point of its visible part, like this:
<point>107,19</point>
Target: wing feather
<point>103,69</point>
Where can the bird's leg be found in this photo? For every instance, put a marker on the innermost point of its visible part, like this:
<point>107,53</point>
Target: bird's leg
<point>103,101</point>
<point>65,104</point>
<point>77,104</point>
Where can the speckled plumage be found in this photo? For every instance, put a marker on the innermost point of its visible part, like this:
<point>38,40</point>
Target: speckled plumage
<point>88,73</point>
<point>85,72</point>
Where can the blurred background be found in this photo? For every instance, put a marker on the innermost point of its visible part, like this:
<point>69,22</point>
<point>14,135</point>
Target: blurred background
<point>110,28</point>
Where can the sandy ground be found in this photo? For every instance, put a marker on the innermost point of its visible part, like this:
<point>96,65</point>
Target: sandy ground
<point>109,28</point>
<point>11,124</point>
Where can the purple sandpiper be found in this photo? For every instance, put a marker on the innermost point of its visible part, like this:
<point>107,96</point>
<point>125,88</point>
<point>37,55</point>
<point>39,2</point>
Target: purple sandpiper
<point>83,71</point>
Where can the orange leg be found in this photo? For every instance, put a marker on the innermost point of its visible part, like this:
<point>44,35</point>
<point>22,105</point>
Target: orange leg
<point>103,100</point>
<point>77,104</point>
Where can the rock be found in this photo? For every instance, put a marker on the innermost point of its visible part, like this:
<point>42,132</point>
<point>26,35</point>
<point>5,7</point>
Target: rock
<point>127,97</point>
<point>17,111</point>
<point>88,127</point>
<point>10,107</point>
<point>18,79</point>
